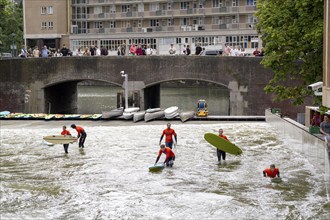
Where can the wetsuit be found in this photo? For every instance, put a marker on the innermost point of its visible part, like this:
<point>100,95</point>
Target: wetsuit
<point>168,132</point>
<point>170,156</point>
<point>221,153</point>
<point>272,174</point>
<point>66,146</point>
<point>81,135</point>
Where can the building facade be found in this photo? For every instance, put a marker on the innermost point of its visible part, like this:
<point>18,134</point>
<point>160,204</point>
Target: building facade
<point>113,23</point>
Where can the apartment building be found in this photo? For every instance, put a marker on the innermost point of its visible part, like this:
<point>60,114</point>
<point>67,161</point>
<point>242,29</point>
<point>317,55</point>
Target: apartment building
<point>111,23</point>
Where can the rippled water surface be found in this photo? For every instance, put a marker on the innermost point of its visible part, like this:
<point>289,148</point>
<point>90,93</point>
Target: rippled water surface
<point>110,178</point>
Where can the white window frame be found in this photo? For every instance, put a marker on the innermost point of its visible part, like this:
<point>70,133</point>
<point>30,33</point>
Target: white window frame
<point>98,24</point>
<point>43,10</point>
<point>154,22</point>
<point>184,5</point>
<point>112,9</point>
<point>112,24</point>
<point>43,25</point>
<point>50,25</point>
<point>50,10</point>
<point>154,7</point>
<point>125,8</point>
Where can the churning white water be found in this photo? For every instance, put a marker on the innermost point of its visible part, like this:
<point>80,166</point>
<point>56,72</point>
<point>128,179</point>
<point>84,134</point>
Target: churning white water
<point>110,178</point>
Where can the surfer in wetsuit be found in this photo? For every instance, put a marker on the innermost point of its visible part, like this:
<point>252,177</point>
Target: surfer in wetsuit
<point>65,132</point>
<point>221,153</point>
<point>81,135</point>
<point>168,132</point>
<point>271,172</point>
<point>170,156</point>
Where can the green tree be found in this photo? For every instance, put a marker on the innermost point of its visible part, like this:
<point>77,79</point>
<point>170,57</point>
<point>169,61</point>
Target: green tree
<point>292,34</point>
<point>11,22</point>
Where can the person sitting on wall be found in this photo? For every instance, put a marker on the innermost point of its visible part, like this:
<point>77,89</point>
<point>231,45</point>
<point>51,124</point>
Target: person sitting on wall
<point>316,119</point>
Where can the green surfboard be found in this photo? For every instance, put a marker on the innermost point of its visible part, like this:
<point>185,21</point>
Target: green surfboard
<point>222,144</point>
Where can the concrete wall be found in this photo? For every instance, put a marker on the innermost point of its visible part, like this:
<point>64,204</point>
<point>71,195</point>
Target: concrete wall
<point>313,147</point>
<point>245,77</point>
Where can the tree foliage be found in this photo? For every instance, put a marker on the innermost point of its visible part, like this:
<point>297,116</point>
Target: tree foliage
<point>292,34</point>
<point>11,22</point>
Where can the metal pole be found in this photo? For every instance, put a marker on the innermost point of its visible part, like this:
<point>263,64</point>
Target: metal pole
<point>24,27</point>
<point>126,88</point>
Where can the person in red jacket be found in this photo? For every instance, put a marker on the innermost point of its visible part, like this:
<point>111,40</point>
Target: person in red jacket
<point>81,135</point>
<point>170,156</point>
<point>221,153</point>
<point>168,132</point>
<point>271,172</point>
<point>65,132</point>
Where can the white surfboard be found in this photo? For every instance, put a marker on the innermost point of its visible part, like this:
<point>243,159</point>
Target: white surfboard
<point>60,139</point>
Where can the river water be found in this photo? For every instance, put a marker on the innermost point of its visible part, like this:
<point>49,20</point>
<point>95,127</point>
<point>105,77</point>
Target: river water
<point>110,178</point>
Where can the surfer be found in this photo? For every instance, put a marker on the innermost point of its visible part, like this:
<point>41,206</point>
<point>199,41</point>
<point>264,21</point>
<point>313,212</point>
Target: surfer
<point>168,132</point>
<point>65,132</point>
<point>221,153</point>
<point>170,156</point>
<point>81,135</point>
<point>271,172</point>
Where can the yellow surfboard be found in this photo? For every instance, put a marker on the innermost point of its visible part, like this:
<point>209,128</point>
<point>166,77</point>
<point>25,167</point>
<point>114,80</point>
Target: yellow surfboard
<point>222,144</point>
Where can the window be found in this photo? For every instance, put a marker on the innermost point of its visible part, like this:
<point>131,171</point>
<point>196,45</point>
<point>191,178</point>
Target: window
<point>154,6</point>
<point>50,10</point>
<point>98,10</point>
<point>112,9</point>
<point>112,24</point>
<point>235,3</point>
<point>251,19</point>
<point>43,25</point>
<point>169,6</point>
<point>217,3</point>
<point>184,21</point>
<point>251,2</point>
<point>140,23</point>
<point>154,22</point>
<point>184,5</point>
<point>50,25</point>
<point>125,8</point>
<point>201,3</point>
<point>141,7</point>
<point>215,20</point>
<point>98,24</point>
<point>233,20</point>
<point>170,22</point>
<point>126,24</point>
<point>43,10</point>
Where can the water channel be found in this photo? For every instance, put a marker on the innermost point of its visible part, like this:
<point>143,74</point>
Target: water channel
<point>110,178</point>
<point>97,98</point>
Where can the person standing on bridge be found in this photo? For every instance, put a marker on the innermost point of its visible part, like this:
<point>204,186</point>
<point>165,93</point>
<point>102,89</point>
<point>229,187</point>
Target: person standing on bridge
<point>168,132</point>
<point>81,135</point>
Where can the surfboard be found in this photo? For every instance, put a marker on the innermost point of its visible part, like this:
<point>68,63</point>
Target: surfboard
<point>60,139</point>
<point>157,167</point>
<point>222,144</point>
<point>276,180</point>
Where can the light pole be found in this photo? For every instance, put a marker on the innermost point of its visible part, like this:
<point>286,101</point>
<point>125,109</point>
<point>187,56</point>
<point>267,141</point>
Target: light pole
<point>126,87</point>
<point>13,46</point>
